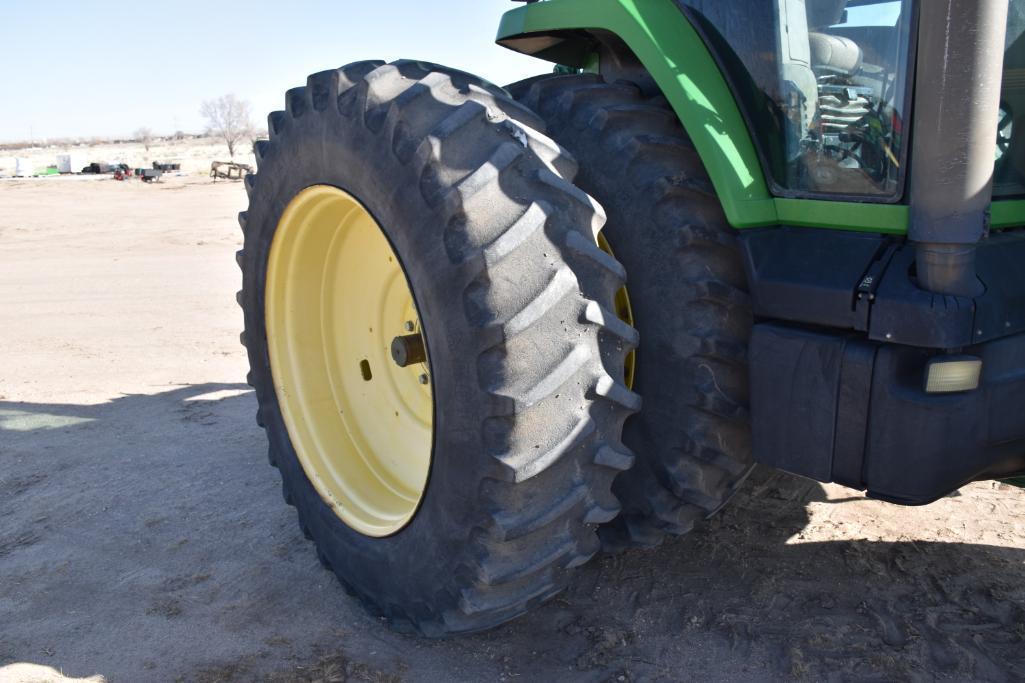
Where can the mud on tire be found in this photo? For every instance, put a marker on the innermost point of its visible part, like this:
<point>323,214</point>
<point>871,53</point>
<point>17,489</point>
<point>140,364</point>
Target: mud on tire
<point>527,359</point>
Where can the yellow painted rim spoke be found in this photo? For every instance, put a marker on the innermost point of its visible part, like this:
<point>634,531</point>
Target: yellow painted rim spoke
<point>625,313</point>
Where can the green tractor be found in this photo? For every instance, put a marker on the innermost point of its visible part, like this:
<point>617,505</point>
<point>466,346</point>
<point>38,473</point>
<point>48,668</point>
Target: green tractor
<point>794,227</point>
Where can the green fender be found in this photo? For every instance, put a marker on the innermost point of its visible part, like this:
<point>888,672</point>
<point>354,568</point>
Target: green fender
<point>677,58</point>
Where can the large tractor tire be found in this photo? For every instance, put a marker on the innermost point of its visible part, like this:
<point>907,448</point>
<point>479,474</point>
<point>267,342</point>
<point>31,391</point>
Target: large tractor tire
<point>428,322</point>
<point>687,293</point>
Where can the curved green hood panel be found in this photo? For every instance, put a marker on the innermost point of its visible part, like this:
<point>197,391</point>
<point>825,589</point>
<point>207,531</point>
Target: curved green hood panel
<point>677,58</point>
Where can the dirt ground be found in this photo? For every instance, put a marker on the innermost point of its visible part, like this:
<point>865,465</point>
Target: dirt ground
<point>143,536</point>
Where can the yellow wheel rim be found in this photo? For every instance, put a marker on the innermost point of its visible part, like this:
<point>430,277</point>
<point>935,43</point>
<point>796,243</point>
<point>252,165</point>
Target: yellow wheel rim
<point>336,297</point>
<point>625,313</point>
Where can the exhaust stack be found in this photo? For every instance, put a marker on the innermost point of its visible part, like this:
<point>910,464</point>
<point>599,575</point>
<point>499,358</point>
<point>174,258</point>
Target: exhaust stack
<point>957,105</point>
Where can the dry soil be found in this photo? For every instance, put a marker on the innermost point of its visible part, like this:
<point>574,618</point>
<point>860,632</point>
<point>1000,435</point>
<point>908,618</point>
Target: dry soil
<point>143,536</point>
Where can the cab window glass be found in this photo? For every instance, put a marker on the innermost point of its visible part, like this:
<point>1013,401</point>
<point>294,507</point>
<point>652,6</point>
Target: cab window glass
<point>1009,172</point>
<point>824,85</point>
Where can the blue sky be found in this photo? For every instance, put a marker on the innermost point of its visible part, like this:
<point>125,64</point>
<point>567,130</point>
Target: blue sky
<point>80,68</point>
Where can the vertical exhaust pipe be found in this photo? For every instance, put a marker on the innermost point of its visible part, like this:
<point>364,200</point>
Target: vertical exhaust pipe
<point>957,105</point>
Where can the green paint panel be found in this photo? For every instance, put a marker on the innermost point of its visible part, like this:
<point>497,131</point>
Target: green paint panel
<point>680,63</point>
<point>1007,214</point>
<point>884,218</point>
<point>677,58</point>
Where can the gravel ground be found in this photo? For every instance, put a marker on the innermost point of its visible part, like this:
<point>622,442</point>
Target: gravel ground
<point>143,537</point>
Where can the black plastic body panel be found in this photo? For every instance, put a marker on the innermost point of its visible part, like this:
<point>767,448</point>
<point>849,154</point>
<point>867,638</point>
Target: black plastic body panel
<point>809,401</point>
<point>809,275</point>
<point>945,440</point>
<point>905,314</point>
<point>866,283</point>
<point>836,407</point>
<point>1000,263</point>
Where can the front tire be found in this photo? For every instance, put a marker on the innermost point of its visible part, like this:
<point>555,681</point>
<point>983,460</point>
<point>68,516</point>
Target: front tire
<point>525,360</point>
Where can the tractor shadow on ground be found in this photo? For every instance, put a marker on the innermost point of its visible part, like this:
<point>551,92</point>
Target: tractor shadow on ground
<point>145,539</point>
<point>747,597</point>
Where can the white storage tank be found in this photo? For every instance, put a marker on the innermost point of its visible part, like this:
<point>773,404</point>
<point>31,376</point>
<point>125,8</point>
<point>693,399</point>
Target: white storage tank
<point>69,163</point>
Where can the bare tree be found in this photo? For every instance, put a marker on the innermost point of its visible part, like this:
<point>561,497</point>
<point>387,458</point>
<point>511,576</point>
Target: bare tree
<point>228,118</point>
<point>145,136</point>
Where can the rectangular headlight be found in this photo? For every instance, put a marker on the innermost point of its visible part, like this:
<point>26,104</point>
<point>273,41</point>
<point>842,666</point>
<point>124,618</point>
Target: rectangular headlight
<point>949,374</point>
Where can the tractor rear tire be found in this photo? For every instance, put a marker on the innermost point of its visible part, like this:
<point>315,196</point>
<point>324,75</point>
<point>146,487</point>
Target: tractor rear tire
<point>688,295</point>
<point>525,360</point>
